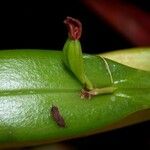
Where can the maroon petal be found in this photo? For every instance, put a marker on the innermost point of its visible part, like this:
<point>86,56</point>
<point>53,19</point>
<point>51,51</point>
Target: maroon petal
<point>74,28</point>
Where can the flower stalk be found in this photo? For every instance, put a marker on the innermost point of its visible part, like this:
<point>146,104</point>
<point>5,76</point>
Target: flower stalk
<point>73,52</point>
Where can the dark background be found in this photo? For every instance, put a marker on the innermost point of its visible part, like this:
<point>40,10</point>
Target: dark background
<point>40,25</point>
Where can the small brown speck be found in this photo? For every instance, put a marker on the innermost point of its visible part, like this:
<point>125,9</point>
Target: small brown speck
<point>57,117</point>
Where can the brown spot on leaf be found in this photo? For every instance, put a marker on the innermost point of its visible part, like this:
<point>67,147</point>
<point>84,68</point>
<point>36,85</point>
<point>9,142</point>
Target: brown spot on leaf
<point>57,117</point>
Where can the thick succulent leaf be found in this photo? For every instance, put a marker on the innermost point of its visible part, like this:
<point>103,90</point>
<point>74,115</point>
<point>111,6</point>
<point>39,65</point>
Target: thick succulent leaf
<point>134,57</point>
<point>139,58</point>
<point>32,81</point>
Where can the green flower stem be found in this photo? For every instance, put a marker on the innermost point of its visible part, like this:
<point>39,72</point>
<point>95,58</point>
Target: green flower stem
<point>74,61</point>
<point>96,91</point>
<point>73,53</point>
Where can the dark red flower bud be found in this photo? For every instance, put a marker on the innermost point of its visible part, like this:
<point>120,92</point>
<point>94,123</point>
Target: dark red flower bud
<point>74,28</point>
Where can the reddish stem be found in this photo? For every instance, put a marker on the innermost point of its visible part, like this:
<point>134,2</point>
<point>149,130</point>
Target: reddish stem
<point>74,28</point>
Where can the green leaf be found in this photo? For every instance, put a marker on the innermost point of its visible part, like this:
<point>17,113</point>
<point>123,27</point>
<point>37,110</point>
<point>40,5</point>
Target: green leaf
<point>138,57</point>
<point>32,81</point>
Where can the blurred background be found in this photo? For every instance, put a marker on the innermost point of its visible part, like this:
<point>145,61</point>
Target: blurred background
<point>40,25</point>
<point>107,26</point>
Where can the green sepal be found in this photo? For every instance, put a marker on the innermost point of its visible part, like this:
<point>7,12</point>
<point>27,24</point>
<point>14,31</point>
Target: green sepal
<point>74,61</point>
